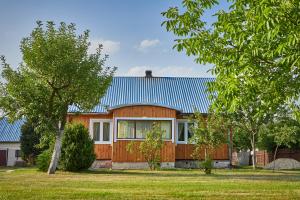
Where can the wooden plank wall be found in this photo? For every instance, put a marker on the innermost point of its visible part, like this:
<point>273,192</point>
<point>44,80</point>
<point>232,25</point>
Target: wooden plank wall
<point>103,151</point>
<point>145,111</point>
<point>120,153</point>
<point>184,151</point>
<point>85,118</point>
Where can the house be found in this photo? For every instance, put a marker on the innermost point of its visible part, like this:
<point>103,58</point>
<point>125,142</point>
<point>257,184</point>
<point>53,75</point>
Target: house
<point>128,110</point>
<point>10,142</point>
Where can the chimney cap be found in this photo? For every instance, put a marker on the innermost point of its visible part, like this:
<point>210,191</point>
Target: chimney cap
<point>148,73</point>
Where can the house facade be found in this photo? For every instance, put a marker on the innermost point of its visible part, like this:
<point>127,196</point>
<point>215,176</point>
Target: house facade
<point>10,133</point>
<point>130,107</point>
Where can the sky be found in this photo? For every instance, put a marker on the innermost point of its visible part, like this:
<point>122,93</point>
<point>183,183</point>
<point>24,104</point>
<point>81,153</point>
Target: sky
<point>130,32</point>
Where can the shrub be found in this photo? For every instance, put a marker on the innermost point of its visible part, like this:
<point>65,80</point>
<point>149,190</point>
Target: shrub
<point>77,148</point>
<point>151,147</point>
<point>29,140</point>
<point>207,165</point>
<point>43,160</point>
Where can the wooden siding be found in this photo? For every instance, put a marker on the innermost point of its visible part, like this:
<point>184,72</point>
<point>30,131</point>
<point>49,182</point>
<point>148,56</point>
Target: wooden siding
<point>184,151</point>
<point>120,153</point>
<point>85,118</point>
<point>103,151</point>
<point>144,111</point>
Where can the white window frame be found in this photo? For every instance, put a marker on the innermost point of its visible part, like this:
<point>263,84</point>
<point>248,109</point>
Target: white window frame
<point>101,121</point>
<point>186,122</point>
<point>143,118</point>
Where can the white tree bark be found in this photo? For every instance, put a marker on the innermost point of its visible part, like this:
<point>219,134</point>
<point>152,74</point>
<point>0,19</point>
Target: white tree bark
<point>254,153</point>
<point>56,152</point>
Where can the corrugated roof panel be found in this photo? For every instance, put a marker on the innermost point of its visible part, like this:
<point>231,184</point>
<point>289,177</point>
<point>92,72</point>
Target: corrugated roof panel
<point>177,92</point>
<point>10,132</point>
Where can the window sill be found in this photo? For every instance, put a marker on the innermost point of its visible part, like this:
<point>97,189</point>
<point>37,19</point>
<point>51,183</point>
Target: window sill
<point>134,139</point>
<point>102,142</point>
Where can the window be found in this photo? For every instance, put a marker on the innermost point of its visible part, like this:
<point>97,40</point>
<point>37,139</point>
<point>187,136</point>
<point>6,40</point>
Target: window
<point>138,129</point>
<point>96,131</point>
<point>101,130</point>
<point>189,130</point>
<point>184,132</point>
<point>18,153</point>
<point>181,132</point>
<point>106,131</point>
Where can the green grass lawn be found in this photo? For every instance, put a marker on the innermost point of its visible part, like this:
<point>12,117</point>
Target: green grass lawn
<point>28,183</point>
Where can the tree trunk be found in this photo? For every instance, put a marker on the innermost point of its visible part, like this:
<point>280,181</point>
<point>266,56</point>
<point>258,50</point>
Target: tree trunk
<point>254,153</point>
<point>274,158</point>
<point>56,153</point>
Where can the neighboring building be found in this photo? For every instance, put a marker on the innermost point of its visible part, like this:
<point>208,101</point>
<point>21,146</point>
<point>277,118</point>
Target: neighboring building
<point>128,109</point>
<point>10,142</point>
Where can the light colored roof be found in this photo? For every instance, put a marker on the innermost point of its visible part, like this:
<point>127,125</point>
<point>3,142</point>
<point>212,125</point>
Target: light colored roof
<point>180,93</point>
<point>10,132</point>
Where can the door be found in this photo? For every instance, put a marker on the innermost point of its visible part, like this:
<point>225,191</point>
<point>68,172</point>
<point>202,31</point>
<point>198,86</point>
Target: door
<point>3,157</point>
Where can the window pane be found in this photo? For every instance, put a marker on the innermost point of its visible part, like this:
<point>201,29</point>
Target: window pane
<point>18,153</point>
<point>190,133</point>
<point>142,128</point>
<point>106,131</point>
<point>96,131</point>
<point>126,129</point>
<point>180,131</point>
<point>166,126</point>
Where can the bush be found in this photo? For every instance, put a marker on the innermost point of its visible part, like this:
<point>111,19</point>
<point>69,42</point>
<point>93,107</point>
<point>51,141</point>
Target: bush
<point>207,165</point>
<point>43,160</point>
<point>77,148</point>
<point>29,140</point>
<point>151,147</point>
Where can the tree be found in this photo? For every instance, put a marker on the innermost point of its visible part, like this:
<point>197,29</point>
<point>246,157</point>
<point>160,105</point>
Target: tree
<point>241,140</point>
<point>151,147</point>
<point>56,72</point>
<point>29,142</point>
<point>254,49</point>
<point>209,133</point>
<point>77,148</point>
<point>284,132</point>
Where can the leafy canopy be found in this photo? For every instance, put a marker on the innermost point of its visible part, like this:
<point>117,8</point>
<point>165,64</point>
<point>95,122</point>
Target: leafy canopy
<point>56,72</point>
<point>254,46</point>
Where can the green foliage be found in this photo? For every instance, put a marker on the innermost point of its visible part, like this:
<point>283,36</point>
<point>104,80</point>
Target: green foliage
<point>285,133</point>
<point>241,140</point>
<point>43,160</point>
<point>151,147</point>
<point>29,140</point>
<point>56,72</point>
<point>254,48</point>
<point>207,165</point>
<point>77,148</point>
<point>209,133</point>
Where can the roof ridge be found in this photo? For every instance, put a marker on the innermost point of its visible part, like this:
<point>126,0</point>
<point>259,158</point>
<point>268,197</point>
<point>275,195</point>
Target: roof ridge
<point>165,77</point>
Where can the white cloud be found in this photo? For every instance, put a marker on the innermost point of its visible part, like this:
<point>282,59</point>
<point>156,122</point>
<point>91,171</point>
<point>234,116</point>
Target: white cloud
<point>109,47</point>
<point>146,44</point>
<point>169,71</point>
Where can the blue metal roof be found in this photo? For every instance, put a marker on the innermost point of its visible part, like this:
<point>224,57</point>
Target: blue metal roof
<point>10,132</point>
<point>181,93</point>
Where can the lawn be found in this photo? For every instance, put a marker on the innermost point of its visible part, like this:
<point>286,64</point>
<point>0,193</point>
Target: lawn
<point>28,183</point>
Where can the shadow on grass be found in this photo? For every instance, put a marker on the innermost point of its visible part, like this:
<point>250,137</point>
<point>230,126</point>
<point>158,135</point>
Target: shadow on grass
<point>264,175</point>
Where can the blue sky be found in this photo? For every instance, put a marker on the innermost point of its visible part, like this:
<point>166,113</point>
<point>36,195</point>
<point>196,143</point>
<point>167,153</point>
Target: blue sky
<point>130,31</point>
